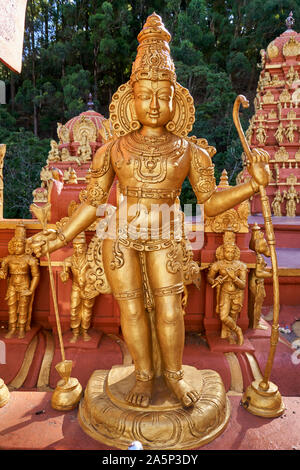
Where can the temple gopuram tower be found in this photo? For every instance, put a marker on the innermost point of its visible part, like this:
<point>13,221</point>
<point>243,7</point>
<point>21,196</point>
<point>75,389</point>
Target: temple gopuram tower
<point>275,126</point>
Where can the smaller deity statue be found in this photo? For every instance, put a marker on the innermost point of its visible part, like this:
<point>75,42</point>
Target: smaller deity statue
<point>276,204</point>
<point>22,272</point>
<point>289,131</point>
<point>72,178</point>
<point>292,198</point>
<point>84,152</point>
<point>82,294</point>
<point>40,194</point>
<point>279,134</point>
<point>67,157</point>
<point>228,274</point>
<point>263,59</point>
<point>53,155</point>
<point>276,81</point>
<point>261,134</point>
<point>249,132</point>
<point>291,76</point>
<point>257,278</point>
<point>46,174</point>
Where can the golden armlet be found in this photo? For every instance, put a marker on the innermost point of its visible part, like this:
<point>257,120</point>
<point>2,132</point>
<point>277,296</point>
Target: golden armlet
<point>95,194</point>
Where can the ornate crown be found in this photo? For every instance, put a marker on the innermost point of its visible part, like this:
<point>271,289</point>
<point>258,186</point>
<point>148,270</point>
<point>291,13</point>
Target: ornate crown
<point>153,60</point>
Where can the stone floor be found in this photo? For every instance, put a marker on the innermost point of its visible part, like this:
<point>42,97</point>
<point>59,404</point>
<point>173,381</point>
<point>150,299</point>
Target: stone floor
<point>28,422</point>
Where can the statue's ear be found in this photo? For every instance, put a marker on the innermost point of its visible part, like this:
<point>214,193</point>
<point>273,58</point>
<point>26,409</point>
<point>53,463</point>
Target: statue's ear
<point>134,122</point>
<point>220,253</point>
<point>183,118</point>
<point>237,253</point>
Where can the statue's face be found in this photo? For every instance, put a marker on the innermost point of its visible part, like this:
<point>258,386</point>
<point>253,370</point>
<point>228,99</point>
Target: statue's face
<point>153,102</point>
<point>19,247</point>
<point>229,253</point>
<point>79,248</point>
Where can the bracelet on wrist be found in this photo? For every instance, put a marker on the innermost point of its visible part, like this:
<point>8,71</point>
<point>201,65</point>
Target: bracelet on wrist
<point>62,237</point>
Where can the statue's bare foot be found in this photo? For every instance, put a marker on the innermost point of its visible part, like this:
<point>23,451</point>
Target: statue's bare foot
<point>86,336</point>
<point>10,333</point>
<point>21,334</point>
<point>140,394</point>
<point>183,391</point>
<point>74,339</point>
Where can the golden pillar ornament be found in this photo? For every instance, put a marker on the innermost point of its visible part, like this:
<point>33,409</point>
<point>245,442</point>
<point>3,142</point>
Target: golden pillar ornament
<point>157,401</point>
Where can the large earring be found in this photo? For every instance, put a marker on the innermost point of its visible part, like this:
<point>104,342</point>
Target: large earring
<point>171,126</point>
<point>134,122</point>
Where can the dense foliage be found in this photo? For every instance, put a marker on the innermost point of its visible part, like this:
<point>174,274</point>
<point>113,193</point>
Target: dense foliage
<point>74,47</point>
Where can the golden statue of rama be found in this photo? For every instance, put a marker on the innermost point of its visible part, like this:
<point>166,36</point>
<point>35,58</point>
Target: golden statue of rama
<point>151,155</point>
<point>82,294</point>
<point>22,271</point>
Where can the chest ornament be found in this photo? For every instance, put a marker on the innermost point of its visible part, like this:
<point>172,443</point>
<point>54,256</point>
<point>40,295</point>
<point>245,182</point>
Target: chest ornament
<point>152,156</point>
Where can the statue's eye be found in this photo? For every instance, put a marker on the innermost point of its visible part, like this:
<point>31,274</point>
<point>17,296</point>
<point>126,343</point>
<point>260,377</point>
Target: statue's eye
<point>144,97</point>
<point>164,97</point>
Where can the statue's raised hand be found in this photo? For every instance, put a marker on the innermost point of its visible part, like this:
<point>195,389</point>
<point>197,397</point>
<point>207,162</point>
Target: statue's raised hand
<point>43,242</point>
<point>258,167</point>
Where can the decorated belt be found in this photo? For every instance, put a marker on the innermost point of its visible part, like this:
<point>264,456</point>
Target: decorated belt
<point>147,245</point>
<point>150,193</point>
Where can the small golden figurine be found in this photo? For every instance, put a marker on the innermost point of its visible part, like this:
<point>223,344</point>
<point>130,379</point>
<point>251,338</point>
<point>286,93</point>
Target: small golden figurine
<point>292,198</point>
<point>228,274</point>
<point>67,157</point>
<point>257,276</point>
<point>289,131</point>
<point>22,271</point>
<point>84,152</point>
<point>82,296</point>
<point>53,155</point>
<point>276,204</point>
<point>261,134</point>
<point>279,134</point>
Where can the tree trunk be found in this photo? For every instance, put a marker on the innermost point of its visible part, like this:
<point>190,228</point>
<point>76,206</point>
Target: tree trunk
<point>12,91</point>
<point>33,74</point>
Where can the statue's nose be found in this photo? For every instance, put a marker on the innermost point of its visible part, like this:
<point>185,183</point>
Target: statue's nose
<point>154,102</point>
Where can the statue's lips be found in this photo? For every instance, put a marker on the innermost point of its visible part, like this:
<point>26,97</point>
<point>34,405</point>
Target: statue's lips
<point>153,116</point>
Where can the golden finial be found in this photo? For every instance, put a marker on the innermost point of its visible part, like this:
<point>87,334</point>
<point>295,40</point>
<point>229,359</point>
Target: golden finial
<point>224,180</point>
